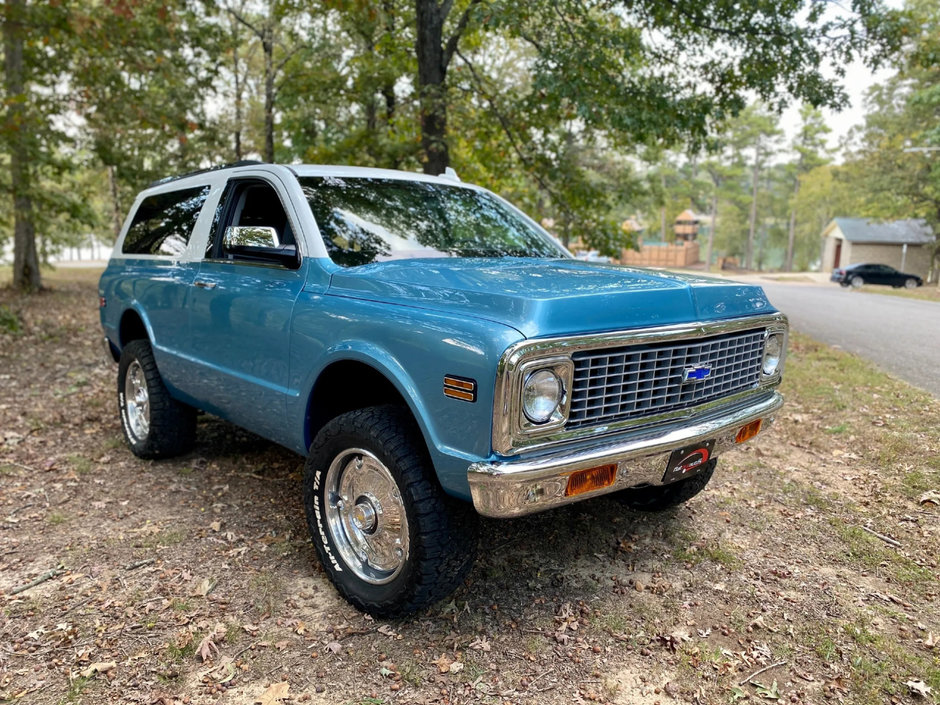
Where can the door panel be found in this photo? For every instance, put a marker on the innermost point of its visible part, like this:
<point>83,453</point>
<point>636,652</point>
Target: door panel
<point>240,316</point>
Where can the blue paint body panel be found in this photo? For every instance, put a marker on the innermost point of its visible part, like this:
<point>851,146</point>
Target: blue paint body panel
<point>543,298</point>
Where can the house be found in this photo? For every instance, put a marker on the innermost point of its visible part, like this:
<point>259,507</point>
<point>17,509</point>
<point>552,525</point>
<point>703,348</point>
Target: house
<point>903,244</point>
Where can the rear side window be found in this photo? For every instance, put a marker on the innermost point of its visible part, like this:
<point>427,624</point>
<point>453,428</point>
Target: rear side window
<point>164,222</point>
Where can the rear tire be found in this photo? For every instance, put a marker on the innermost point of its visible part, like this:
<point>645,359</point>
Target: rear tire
<point>155,425</point>
<point>389,538</point>
<point>660,497</point>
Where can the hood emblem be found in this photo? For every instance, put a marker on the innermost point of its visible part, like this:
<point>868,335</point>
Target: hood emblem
<point>695,374</point>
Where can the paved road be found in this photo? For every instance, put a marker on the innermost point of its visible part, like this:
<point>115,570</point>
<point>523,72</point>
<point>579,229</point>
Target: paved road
<point>902,336</point>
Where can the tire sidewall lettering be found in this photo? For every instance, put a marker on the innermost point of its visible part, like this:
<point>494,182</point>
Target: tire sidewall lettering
<point>325,542</point>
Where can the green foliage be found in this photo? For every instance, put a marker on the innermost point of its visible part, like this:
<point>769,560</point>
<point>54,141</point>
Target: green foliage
<point>561,106</point>
<point>9,321</point>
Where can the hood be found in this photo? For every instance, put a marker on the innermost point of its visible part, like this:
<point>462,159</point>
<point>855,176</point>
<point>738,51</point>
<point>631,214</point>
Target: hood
<point>541,297</point>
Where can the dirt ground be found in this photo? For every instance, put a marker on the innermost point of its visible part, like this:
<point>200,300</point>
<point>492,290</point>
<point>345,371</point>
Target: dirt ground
<point>806,573</point>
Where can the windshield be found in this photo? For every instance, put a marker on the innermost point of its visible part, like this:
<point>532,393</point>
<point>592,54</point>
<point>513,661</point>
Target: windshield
<point>365,220</point>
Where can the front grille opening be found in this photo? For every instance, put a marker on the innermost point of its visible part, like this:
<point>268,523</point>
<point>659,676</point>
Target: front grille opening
<point>631,382</point>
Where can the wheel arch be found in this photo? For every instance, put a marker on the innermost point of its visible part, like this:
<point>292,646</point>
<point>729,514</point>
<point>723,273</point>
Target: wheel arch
<point>356,381</point>
<point>133,326</point>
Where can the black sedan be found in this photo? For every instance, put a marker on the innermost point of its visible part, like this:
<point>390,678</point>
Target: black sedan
<point>857,274</point>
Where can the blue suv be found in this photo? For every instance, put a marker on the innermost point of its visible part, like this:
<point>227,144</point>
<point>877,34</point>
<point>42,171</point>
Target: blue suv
<point>432,352</point>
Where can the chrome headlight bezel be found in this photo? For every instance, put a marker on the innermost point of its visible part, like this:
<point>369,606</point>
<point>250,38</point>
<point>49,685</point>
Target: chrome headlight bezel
<point>563,369</point>
<point>542,394</point>
<point>775,353</point>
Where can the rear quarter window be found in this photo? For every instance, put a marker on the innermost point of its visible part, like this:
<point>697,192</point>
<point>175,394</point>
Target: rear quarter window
<point>164,222</point>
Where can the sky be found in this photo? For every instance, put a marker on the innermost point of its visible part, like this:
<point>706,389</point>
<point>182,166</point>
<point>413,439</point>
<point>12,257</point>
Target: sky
<point>858,79</point>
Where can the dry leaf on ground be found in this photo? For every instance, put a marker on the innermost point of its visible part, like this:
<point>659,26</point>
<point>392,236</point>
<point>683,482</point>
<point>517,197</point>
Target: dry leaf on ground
<point>274,694</point>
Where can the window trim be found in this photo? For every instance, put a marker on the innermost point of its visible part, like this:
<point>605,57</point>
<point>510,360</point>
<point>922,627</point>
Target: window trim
<point>228,206</point>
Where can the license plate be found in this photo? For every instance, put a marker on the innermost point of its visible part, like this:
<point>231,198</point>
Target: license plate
<point>688,461</point>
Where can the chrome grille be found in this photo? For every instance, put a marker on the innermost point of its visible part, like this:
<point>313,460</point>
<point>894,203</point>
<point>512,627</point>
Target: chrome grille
<point>618,384</point>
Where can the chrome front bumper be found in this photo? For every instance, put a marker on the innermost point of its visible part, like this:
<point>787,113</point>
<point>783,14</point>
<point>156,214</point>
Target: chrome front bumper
<point>529,485</point>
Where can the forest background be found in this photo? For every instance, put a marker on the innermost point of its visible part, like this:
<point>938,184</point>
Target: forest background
<point>586,113</point>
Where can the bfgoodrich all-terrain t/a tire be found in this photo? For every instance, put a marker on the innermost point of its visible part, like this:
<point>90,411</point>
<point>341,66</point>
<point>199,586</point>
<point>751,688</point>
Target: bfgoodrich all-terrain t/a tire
<point>154,423</point>
<point>388,537</point>
<point>660,497</point>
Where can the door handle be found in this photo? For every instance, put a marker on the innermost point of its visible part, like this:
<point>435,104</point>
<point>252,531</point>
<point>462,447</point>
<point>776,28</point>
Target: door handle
<point>205,285</point>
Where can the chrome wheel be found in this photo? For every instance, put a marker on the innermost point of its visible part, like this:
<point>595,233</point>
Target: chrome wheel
<point>856,282</point>
<point>137,401</point>
<point>366,517</point>
<point>910,283</point>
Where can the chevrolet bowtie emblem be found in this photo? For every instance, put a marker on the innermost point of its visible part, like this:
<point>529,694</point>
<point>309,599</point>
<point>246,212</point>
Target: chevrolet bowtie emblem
<point>695,374</point>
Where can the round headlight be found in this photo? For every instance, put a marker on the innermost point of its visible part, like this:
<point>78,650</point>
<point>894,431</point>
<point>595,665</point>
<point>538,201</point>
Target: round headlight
<point>773,350</point>
<point>542,392</point>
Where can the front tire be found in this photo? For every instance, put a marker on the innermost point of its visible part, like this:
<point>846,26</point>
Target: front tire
<point>661,497</point>
<point>155,425</point>
<point>387,536</point>
<point>910,283</point>
<point>856,282</point>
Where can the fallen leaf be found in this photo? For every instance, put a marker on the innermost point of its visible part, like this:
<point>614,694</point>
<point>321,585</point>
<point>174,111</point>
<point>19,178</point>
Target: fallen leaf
<point>334,646</point>
<point>766,693</point>
<point>99,667</point>
<point>930,497</point>
<point>388,631</point>
<point>272,695</point>
<point>443,663</point>
<point>216,525</point>
<point>205,586</point>
<point>456,667</point>
<point>480,644</point>
<point>919,688</point>
<point>250,628</point>
<point>206,647</point>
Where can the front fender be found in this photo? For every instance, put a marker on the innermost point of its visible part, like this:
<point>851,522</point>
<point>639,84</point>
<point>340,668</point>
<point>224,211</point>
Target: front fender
<point>413,349</point>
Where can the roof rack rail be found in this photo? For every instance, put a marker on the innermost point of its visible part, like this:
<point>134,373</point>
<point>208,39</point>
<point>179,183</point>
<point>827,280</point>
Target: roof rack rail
<point>230,165</point>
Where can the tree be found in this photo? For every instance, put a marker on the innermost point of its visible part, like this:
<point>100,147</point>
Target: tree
<point>810,147</point>
<point>887,170</point>
<point>434,52</point>
<point>754,130</point>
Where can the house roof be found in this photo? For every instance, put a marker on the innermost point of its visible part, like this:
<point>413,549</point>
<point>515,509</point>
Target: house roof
<point>911,232</point>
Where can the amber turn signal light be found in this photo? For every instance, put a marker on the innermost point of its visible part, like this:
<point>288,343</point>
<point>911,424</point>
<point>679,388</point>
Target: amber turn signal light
<point>591,479</point>
<point>746,433</point>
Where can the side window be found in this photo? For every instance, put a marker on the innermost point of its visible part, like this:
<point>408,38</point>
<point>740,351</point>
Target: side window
<point>248,204</point>
<point>164,222</point>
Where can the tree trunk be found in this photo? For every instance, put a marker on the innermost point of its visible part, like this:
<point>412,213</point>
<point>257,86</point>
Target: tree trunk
<point>238,91</point>
<point>26,276</point>
<point>267,45</point>
<point>117,213</point>
<point>432,72</point>
<point>662,210</point>
<point>711,232</point>
<point>749,252</point>
<point>791,232</point>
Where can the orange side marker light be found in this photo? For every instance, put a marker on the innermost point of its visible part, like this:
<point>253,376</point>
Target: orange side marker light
<point>597,478</point>
<point>746,433</point>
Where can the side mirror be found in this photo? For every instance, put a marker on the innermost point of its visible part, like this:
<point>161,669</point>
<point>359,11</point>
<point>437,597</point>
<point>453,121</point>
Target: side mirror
<point>250,236</point>
<point>259,243</point>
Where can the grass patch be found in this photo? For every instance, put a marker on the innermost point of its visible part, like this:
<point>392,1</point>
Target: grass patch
<point>861,547</point>
<point>76,687</point>
<point>80,463</point>
<point>266,591</point>
<point>922,293</point>
<point>57,518</point>
<point>9,322</point>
